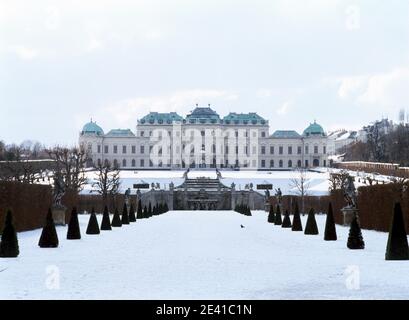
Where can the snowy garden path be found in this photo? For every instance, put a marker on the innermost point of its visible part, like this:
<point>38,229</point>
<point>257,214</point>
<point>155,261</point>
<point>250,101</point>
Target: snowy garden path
<point>203,255</point>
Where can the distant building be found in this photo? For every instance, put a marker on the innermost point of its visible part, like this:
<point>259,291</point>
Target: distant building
<point>205,140</point>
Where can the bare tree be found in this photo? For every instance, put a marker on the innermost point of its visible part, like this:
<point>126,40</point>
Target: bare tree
<point>108,180</point>
<point>301,185</point>
<point>337,180</point>
<point>70,166</point>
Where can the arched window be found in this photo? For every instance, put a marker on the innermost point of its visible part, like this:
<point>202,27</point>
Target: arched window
<point>290,164</point>
<point>133,163</point>
<point>299,163</point>
<point>124,162</point>
<point>280,163</point>
<point>316,163</point>
<point>271,163</point>
<point>115,163</point>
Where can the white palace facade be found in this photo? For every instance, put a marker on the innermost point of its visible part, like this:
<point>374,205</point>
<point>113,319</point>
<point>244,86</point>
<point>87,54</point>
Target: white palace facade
<point>203,139</point>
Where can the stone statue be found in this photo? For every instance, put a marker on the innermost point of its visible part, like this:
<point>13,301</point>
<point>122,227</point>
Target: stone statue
<point>218,173</point>
<point>251,185</point>
<point>59,189</point>
<point>157,185</point>
<point>171,185</point>
<point>186,173</point>
<point>233,186</point>
<point>279,195</point>
<point>350,192</point>
<point>153,185</point>
<point>267,193</point>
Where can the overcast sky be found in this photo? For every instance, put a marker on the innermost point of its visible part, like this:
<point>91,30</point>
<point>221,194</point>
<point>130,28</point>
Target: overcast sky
<point>341,62</point>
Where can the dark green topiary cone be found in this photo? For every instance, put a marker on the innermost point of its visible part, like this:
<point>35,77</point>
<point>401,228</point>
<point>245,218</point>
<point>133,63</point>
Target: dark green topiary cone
<point>271,214</point>
<point>139,214</point>
<point>93,227</point>
<point>74,232</point>
<point>297,225</point>
<point>330,233</point>
<point>106,223</point>
<point>49,237</point>
<point>116,220</point>
<point>311,227</point>
<point>125,216</point>
<point>277,218</point>
<point>132,217</point>
<point>397,247</point>
<point>9,242</point>
<point>286,221</point>
<point>355,240</point>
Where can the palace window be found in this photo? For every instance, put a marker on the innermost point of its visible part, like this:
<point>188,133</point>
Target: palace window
<point>280,150</point>
<point>133,149</point>
<point>263,163</point>
<point>115,149</point>
<point>142,149</point>
<point>263,150</point>
<point>280,163</point>
<point>271,149</point>
<point>271,163</point>
<point>99,148</point>
<point>315,149</point>
<point>106,149</point>
<point>142,162</point>
<point>290,164</point>
<point>124,149</point>
<point>290,150</point>
<point>133,163</point>
<point>324,150</point>
<point>124,163</point>
<point>299,150</point>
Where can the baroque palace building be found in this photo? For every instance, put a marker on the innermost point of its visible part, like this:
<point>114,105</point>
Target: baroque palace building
<point>205,140</point>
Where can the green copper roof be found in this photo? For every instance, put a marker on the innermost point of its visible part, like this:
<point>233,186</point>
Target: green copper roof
<point>92,128</point>
<point>314,129</point>
<point>286,134</point>
<point>244,118</point>
<point>203,115</point>
<point>165,118</point>
<point>120,133</point>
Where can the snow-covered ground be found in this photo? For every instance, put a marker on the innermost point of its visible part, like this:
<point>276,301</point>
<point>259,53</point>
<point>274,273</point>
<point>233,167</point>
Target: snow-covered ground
<point>203,255</point>
<point>317,181</point>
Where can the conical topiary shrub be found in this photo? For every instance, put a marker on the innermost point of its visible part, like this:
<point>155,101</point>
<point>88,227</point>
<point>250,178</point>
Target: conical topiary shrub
<point>271,217</point>
<point>106,222</point>
<point>397,247</point>
<point>116,220</point>
<point>132,217</point>
<point>49,237</point>
<point>74,232</point>
<point>93,227</point>
<point>9,243</point>
<point>165,208</point>
<point>139,213</point>
<point>355,240</point>
<point>155,210</point>
<point>145,212</point>
<point>248,211</point>
<point>311,226</point>
<point>150,210</point>
<point>125,217</point>
<point>277,219</point>
<point>297,225</point>
<point>330,233</point>
<point>286,221</point>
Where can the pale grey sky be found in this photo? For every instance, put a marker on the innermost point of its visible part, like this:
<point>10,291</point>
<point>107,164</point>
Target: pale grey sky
<point>341,62</point>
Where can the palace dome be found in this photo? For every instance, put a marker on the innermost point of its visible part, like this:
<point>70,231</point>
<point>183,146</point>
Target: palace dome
<point>93,128</point>
<point>314,129</point>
